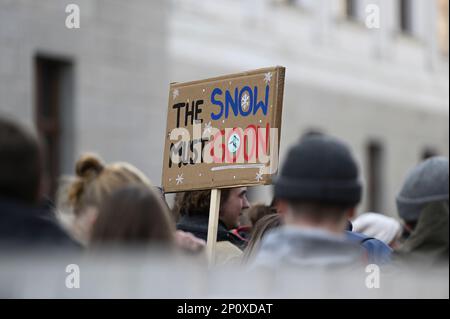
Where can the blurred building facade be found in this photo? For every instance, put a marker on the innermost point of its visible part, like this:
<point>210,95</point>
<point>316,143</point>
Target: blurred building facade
<point>104,87</point>
<point>101,88</point>
<point>384,91</point>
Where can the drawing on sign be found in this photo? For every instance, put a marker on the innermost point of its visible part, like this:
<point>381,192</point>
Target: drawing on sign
<point>234,143</point>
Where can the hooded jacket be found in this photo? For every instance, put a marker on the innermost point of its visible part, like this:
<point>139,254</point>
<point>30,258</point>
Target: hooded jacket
<point>429,241</point>
<point>292,246</point>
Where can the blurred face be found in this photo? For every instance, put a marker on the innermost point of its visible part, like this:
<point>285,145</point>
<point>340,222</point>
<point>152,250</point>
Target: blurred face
<point>231,209</point>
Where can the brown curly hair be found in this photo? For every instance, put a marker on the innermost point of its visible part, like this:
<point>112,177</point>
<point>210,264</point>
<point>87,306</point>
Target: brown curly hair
<point>196,202</point>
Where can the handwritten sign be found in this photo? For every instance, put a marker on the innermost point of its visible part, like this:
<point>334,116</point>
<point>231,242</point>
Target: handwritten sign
<point>224,131</point>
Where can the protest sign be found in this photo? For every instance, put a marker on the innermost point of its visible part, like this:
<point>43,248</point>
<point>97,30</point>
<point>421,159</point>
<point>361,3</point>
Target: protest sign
<point>224,131</point>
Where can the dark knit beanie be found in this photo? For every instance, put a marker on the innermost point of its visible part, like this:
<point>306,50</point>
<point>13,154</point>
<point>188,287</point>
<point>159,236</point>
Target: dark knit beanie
<point>321,169</point>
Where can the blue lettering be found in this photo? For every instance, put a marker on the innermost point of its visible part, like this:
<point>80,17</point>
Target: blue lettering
<point>218,91</point>
<point>260,104</point>
<point>250,104</point>
<point>230,102</point>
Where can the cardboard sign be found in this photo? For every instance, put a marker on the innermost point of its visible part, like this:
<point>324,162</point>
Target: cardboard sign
<point>224,131</point>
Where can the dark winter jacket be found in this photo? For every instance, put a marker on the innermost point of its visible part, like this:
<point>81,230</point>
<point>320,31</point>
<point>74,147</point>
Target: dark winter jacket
<point>197,224</point>
<point>25,227</point>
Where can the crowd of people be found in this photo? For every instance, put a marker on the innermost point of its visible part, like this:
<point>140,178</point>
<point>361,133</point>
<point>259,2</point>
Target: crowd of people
<point>311,222</point>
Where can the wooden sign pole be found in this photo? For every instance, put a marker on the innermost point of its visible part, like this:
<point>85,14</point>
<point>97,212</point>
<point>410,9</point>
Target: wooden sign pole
<point>213,223</point>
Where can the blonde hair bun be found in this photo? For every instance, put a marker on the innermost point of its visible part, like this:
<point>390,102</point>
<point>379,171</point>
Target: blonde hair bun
<point>88,164</point>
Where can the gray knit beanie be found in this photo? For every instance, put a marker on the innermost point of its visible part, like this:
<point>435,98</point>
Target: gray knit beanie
<point>426,183</point>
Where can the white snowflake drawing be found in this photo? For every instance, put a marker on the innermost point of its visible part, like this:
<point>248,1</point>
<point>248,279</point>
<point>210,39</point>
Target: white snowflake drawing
<point>208,128</point>
<point>259,176</point>
<point>245,101</point>
<point>175,93</point>
<point>267,77</point>
<point>180,179</point>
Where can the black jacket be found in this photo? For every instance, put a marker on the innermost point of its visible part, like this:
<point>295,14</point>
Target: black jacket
<point>26,227</point>
<point>197,224</point>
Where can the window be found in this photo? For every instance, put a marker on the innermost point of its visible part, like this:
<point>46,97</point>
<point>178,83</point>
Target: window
<point>374,177</point>
<point>53,99</point>
<point>405,16</point>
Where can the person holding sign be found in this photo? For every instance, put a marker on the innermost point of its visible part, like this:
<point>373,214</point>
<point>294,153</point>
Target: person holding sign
<point>193,207</point>
<point>222,133</point>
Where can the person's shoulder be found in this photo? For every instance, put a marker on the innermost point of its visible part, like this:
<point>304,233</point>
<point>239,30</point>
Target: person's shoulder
<point>366,240</point>
<point>193,224</point>
<point>227,253</point>
<point>227,246</point>
<point>378,251</point>
<point>29,226</point>
<point>353,236</point>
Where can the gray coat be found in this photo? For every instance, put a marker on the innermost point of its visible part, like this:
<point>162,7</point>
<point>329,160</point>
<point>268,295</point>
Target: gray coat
<point>311,248</point>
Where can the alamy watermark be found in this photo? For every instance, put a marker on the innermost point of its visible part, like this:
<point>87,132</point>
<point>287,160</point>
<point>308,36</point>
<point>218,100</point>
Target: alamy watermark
<point>372,20</point>
<point>373,277</point>
<point>73,17</point>
<point>253,144</point>
<point>73,277</point>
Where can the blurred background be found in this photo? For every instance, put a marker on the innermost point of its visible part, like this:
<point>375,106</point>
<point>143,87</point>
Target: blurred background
<point>104,87</point>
